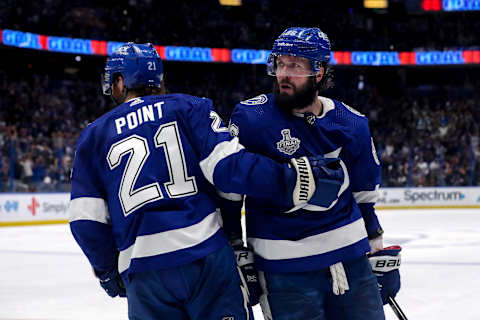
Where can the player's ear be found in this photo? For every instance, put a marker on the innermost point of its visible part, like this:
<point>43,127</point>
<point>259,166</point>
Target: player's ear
<point>320,74</point>
<point>118,79</point>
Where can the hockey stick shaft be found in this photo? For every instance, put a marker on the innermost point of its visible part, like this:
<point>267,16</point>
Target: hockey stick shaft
<point>396,308</point>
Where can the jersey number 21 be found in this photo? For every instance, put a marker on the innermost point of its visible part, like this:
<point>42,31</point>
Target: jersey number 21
<point>136,148</point>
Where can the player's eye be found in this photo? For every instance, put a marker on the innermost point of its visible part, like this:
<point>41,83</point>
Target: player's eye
<point>294,65</point>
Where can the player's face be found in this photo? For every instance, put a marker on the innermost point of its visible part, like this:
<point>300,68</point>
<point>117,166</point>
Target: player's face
<point>294,90</point>
<point>292,66</point>
<point>117,90</point>
<point>292,73</point>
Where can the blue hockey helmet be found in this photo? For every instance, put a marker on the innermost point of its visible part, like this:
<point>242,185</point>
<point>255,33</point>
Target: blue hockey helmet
<point>138,64</point>
<point>309,43</point>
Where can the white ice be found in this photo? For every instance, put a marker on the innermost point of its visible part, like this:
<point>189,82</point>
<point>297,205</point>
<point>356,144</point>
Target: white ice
<point>44,276</point>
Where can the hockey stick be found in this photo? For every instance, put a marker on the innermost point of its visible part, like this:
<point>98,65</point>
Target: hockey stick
<point>396,308</point>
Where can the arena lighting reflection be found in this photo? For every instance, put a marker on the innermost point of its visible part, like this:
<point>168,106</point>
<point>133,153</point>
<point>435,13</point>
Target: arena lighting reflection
<point>451,5</point>
<point>247,56</point>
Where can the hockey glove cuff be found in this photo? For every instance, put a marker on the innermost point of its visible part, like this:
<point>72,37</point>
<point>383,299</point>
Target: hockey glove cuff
<point>305,183</point>
<point>326,175</point>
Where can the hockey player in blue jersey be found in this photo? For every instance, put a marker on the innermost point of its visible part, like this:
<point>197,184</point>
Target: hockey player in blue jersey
<point>312,259</point>
<point>143,204</point>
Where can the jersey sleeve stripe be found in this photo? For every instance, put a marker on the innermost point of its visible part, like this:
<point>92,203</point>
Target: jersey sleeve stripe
<point>220,152</point>
<point>310,246</point>
<point>367,196</point>
<point>89,208</point>
<point>230,196</point>
<point>172,240</point>
<point>333,154</point>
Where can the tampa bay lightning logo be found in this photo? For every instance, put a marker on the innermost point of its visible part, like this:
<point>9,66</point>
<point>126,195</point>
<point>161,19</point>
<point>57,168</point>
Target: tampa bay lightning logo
<point>261,99</point>
<point>288,144</point>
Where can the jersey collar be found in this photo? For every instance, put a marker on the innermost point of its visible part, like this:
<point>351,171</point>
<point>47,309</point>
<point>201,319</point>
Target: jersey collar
<point>327,106</point>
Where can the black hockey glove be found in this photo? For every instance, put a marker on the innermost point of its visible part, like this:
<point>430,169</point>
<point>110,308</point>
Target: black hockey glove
<point>112,283</point>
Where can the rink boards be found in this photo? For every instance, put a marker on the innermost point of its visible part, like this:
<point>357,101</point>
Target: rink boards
<point>49,208</point>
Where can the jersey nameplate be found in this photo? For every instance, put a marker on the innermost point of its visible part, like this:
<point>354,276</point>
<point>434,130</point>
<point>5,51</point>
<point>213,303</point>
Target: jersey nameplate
<point>288,144</point>
<point>261,99</point>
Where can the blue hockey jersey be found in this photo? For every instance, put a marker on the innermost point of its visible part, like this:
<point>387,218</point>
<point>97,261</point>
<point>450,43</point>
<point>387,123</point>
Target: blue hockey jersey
<point>142,195</point>
<point>311,237</point>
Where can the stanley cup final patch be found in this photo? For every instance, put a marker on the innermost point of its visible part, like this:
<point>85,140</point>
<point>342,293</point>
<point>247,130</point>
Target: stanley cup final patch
<point>288,144</point>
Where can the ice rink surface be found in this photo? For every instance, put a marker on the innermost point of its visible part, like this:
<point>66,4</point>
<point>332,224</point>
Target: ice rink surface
<point>44,275</point>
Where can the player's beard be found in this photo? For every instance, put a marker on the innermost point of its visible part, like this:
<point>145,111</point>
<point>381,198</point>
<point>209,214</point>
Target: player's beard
<point>302,96</point>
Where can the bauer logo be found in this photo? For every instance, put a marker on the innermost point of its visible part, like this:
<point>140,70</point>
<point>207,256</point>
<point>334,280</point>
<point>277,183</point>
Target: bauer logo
<point>228,318</point>
<point>382,264</point>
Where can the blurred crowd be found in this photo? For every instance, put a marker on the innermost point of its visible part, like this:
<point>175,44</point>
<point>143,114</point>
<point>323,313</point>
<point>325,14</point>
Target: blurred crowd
<point>421,141</point>
<point>255,24</point>
<point>428,143</point>
<point>40,119</point>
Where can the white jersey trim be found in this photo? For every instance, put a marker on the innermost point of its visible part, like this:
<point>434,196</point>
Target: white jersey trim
<point>89,208</point>
<point>328,105</point>
<point>310,246</point>
<point>333,154</point>
<point>367,196</point>
<point>169,241</point>
<point>220,152</point>
<point>230,196</point>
